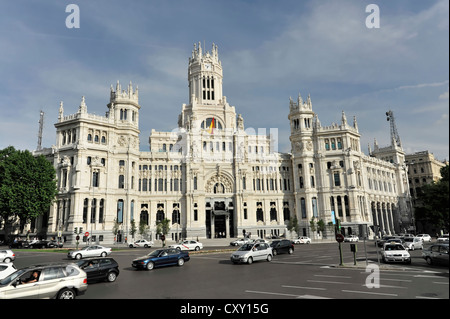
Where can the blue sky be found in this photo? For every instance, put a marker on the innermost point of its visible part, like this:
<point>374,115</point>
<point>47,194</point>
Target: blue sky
<point>270,51</point>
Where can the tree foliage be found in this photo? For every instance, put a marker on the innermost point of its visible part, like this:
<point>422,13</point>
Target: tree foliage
<point>27,185</point>
<point>432,205</point>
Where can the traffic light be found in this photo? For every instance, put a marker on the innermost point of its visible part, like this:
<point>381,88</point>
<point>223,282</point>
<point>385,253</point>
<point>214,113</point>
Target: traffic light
<point>75,230</point>
<point>338,226</point>
<point>81,230</point>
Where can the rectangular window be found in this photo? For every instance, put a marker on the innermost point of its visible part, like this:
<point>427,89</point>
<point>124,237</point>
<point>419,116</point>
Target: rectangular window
<point>337,179</point>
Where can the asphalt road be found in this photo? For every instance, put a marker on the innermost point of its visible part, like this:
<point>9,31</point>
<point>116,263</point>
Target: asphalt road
<point>312,272</point>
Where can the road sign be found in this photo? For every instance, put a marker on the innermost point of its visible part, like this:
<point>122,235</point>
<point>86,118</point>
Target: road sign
<point>339,238</point>
<point>86,234</point>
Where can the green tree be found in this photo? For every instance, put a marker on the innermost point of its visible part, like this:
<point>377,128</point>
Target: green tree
<point>27,186</point>
<point>143,228</point>
<point>115,229</point>
<point>133,228</point>
<point>293,225</point>
<point>432,205</point>
<point>163,227</point>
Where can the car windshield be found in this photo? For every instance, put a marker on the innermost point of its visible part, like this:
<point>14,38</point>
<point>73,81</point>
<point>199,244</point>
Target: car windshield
<point>409,239</point>
<point>274,243</point>
<point>394,247</point>
<point>11,277</point>
<point>155,253</point>
<point>245,247</point>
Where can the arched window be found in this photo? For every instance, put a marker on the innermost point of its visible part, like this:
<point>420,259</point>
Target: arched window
<point>206,124</point>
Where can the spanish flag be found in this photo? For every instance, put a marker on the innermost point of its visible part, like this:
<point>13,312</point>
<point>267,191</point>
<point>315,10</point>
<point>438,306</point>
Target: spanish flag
<point>211,126</point>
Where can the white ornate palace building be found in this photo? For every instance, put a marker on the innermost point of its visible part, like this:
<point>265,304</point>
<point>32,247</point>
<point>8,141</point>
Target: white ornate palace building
<point>211,177</point>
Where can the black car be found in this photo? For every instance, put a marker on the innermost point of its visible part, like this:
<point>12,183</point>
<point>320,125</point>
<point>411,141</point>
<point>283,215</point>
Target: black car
<point>38,244</point>
<point>160,258</point>
<point>54,244</point>
<point>19,244</point>
<point>282,246</point>
<point>100,268</point>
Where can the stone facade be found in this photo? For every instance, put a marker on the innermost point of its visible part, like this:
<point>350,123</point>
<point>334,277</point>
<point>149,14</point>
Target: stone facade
<point>212,177</point>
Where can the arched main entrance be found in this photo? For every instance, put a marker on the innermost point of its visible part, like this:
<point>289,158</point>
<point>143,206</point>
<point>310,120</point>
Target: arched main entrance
<point>219,207</point>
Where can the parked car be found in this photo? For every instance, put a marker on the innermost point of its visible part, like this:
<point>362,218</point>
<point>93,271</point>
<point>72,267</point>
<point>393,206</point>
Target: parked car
<point>19,244</point>
<point>443,239</point>
<point>61,281</point>
<point>89,251</point>
<point>100,268</point>
<point>6,269</point>
<point>188,245</point>
<point>248,253</point>
<point>37,244</point>
<point>351,238</point>
<point>241,241</point>
<point>160,258</point>
<point>282,246</point>
<point>424,237</point>
<point>436,254</point>
<point>395,252</point>
<point>54,244</point>
<point>302,240</point>
<point>141,243</point>
<point>413,243</point>
<point>7,255</point>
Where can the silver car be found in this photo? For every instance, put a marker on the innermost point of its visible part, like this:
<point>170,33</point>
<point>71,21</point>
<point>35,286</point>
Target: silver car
<point>436,254</point>
<point>248,253</point>
<point>7,256</point>
<point>89,251</point>
<point>413,243</point>
<point>61,281</point>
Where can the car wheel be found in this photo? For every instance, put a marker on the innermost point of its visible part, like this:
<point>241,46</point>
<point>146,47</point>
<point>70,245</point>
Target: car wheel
<point>429,261</point>
<point>103,254</point>
<point>250,260</point>
<point>145,246</point>
<point>66,293</point>
<point>275,252</point>
<point>180,262</point>
<point>7,260</point>
<point>269,257</point>
<point>130,245</point>
<point>78,256</point>
<point>197,248</point>
<point>150,265</point>
<point>291,251</point>
<point>112,276</point>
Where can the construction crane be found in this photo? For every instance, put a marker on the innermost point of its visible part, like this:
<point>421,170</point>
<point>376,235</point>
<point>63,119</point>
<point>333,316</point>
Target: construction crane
<point>395,138</point>
<point>41,128</point>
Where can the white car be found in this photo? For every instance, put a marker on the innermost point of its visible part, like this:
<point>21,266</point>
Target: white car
<point>61,281</point>
<point>443,239</point>
<point>425,237</point>
<point>89,251</point>
<point>413,243</point>
<point>188,245</point>
<point>7,255</point>
<point>395,252</point>
<point>302,240</point>
<point>141,243</point>
<point>248,253</point>
<point>6,269</point>
<point>351,238</point>
<point>241,241</point>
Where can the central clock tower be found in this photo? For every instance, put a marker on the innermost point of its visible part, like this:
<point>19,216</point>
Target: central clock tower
<point>205,77</point>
